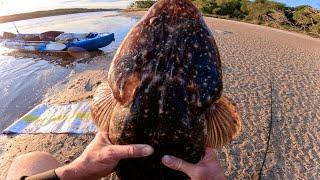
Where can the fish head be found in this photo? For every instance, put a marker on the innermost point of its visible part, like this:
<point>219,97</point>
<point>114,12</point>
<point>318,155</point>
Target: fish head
<point>171,40</point>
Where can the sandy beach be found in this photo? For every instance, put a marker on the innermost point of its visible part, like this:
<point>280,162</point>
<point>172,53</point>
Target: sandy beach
<point>272,75</point>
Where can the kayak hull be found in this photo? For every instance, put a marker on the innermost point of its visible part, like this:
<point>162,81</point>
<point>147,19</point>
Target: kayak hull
<point>93,44</point>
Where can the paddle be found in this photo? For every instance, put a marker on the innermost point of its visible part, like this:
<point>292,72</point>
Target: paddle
<point>37,45</point>
<point>55,46</point>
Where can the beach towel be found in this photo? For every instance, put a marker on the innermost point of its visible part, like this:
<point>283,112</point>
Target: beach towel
<point>45,118</point>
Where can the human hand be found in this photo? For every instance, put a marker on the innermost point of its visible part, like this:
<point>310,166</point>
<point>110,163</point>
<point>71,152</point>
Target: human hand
<point>207,169</point>
<point>100,158</point>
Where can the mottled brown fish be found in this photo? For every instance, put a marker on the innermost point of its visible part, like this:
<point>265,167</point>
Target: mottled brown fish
<point>164,89</point>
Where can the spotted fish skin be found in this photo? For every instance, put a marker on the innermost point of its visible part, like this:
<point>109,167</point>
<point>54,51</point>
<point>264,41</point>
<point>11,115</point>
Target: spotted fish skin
<point>164,76</point>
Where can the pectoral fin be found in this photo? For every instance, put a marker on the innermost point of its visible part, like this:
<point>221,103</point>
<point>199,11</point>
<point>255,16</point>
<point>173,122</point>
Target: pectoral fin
<point>223,123</point>
<point>102,107</point>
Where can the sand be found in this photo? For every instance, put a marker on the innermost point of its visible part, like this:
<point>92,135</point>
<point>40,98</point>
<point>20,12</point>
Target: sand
<point>272,75</point>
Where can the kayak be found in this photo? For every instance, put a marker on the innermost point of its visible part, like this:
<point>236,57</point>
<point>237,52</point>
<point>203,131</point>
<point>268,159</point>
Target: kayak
<point>93,41</point>
<point>60,42</point>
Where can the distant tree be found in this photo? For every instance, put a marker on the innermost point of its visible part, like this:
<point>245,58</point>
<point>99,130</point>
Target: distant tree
<point>206,6</point>
<point>221,2</point>
<point>261,1</point>
<point>142,4</point>
<point>245,6</point>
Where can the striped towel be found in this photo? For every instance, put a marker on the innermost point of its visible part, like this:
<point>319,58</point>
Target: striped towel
<point>44,118</point>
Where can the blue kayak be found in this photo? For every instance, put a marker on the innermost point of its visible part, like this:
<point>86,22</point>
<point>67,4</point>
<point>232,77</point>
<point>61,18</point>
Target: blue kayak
<point>93,41</point>
<point>54,42</point>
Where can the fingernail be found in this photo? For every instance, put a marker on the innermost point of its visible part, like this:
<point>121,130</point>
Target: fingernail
<point>167,159</point>
<point>147,150</point>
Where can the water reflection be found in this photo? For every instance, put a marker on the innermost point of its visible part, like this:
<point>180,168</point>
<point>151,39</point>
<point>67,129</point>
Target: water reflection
<point>65,59</point>
<point>3,49</point>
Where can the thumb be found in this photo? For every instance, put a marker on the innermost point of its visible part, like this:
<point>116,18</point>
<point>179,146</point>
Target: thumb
<point>178,164</point>
<point>118,152</point>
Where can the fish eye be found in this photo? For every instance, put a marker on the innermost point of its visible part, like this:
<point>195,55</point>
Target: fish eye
<point>154,21</point>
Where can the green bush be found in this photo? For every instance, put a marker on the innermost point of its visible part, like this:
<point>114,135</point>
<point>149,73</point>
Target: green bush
<point>232,8</point>
<point>315,29</point>
<point>261,10</point>
<point>304,17</point>
<point>257,11</point>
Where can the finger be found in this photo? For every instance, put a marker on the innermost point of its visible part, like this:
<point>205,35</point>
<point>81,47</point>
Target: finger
<point>178,164</point>
<point>118,152</point>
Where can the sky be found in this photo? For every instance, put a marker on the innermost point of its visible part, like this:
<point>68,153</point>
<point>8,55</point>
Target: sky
<point>293,3</point>
<point>8,7</point>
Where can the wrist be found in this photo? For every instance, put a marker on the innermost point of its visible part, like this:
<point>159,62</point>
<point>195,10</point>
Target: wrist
<point>65,172</point>
<point>78,169</point>
<point>70,171</point>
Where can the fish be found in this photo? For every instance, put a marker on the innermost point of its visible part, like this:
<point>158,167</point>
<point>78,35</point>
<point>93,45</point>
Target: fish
<point>164,88</point>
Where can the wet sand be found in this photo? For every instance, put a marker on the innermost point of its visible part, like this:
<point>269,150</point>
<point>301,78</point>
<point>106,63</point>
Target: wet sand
<point>80,86</point>
<point>272,75</point>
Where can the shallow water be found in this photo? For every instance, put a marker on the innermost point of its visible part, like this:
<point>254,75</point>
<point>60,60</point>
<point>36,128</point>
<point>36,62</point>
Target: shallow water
<point>25,79</point>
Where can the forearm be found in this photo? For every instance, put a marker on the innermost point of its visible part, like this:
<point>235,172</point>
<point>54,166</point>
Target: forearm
<point>47,175</point>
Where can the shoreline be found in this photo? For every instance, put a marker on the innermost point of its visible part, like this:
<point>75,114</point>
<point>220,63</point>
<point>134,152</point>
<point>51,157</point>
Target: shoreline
<point>141,11</point>
<point>48,13</point>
